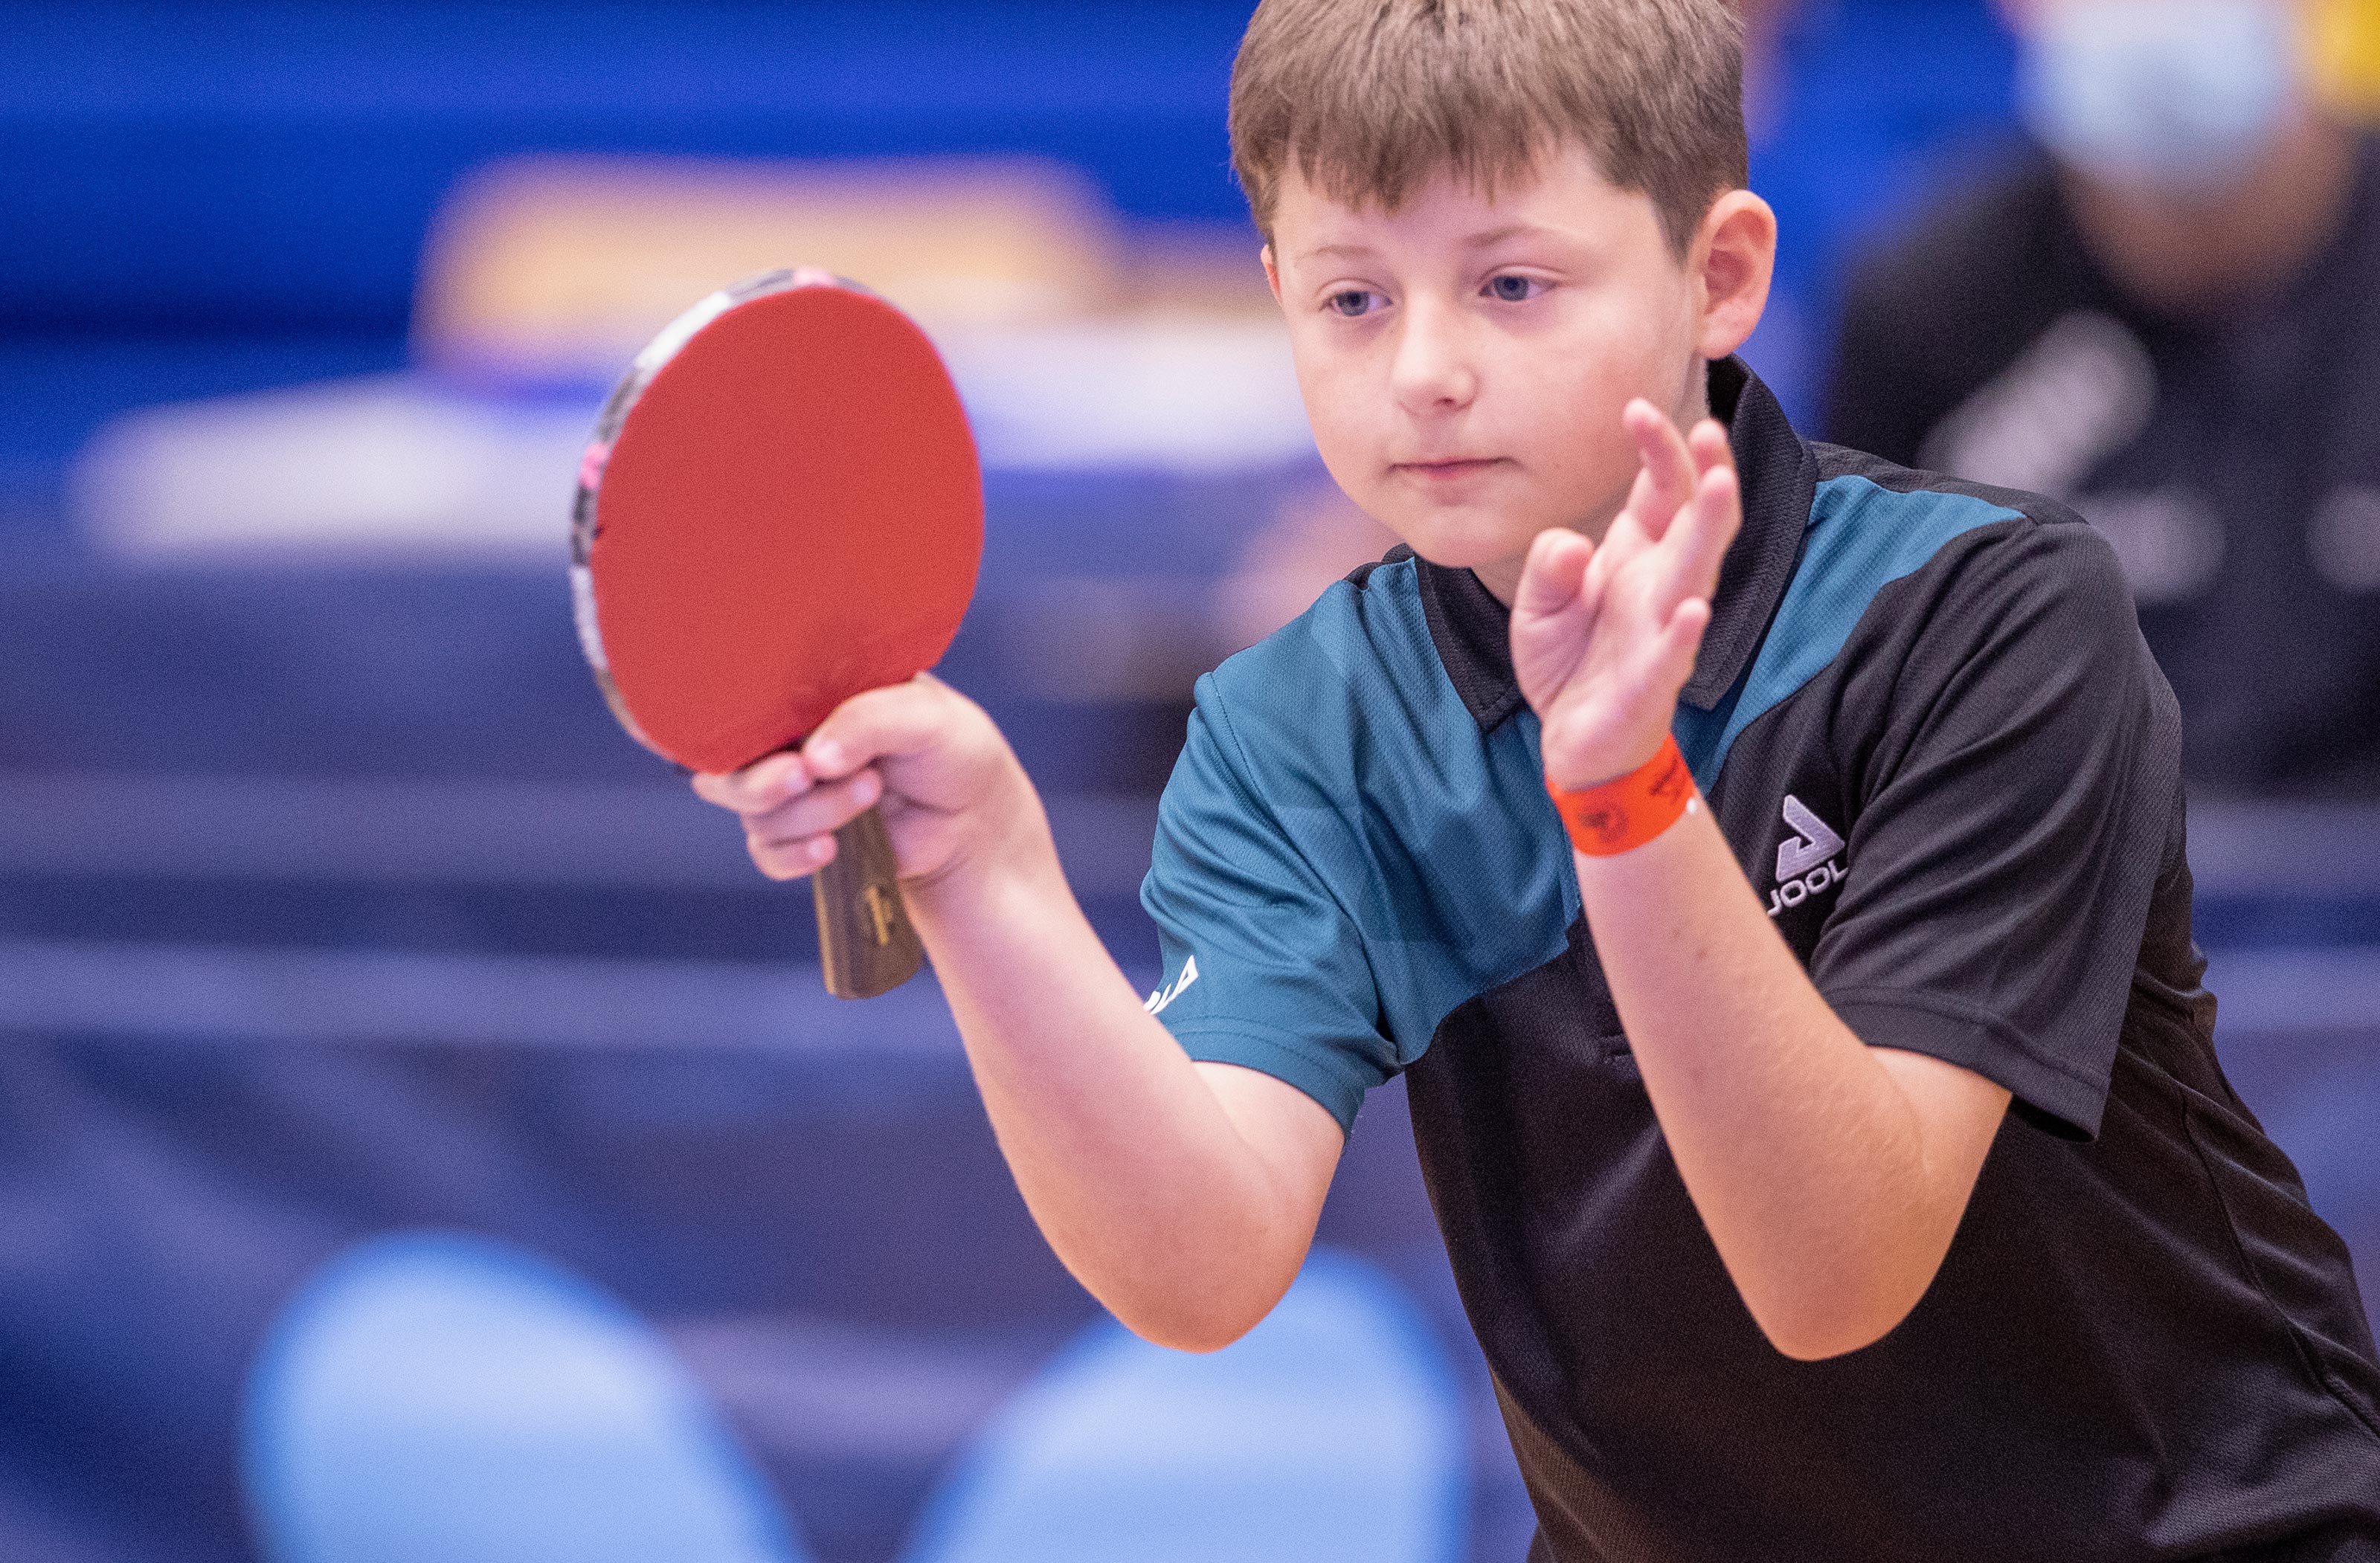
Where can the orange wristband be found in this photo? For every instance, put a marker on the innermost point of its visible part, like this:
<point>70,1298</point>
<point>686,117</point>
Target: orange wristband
<point>1629,810</point>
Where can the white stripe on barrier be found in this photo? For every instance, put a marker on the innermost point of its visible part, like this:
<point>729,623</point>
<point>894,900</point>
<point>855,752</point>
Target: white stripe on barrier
<point>279,993</point>
<point>374,831</point>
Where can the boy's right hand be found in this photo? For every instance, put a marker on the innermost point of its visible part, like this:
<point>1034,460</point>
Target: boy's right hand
<point>954,795</point>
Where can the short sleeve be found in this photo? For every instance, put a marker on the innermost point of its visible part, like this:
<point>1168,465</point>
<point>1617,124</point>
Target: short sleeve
<point>2013,815</point>
<point>1263,968</point>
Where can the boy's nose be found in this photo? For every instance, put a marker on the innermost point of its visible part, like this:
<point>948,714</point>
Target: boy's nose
<point>1433,368</point>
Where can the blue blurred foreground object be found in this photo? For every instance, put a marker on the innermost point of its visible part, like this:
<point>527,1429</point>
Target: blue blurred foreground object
<point>1331,1431</point>
<point>436,1398</point>
<point>433,1398</point>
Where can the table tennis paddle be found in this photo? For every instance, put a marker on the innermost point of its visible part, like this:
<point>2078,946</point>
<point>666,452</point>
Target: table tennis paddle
<point>781,508</point>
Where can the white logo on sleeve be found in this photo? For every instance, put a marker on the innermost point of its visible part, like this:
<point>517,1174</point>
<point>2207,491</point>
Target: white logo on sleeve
<point>1158,1000</point>
<point>1806,864</point>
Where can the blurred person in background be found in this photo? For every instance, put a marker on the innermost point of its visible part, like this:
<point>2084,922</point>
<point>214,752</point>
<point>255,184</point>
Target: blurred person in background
<point>2165,312</point>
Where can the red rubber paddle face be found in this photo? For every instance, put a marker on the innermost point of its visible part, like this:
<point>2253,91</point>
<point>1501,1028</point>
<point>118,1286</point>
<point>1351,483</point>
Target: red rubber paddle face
<point>789,512</point>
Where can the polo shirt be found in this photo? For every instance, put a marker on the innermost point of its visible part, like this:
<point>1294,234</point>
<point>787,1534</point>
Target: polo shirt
<point>1924,718</point>
<point>2230,460</point>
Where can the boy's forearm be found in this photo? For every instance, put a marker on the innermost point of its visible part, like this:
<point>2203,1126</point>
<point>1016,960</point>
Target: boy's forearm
<point>1830,1175</point>
<point>1130,1163</point>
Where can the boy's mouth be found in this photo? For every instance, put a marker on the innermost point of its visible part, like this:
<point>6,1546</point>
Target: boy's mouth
<point>1450,469</point>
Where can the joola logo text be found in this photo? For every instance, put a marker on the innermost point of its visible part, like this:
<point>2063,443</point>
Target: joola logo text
<point>1806,862</point>
<point>1157,1000</point>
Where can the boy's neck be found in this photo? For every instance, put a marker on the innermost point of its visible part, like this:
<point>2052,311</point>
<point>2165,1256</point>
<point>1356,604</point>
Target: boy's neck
<point>1502,579</point>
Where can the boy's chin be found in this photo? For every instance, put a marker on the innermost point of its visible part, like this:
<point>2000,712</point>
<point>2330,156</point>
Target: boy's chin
<point>1455,540</point>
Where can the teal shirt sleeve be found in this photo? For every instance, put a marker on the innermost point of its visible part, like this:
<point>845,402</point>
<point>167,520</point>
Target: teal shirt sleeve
<point>1264,966</point>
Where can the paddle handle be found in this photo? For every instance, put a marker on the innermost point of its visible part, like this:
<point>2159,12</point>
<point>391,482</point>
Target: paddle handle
<point>866,942</point>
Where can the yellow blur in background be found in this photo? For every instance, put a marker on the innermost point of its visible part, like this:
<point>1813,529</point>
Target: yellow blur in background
<point>2345,48</point>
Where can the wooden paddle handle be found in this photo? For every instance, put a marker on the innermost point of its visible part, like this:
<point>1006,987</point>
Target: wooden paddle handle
<point>865,941</point>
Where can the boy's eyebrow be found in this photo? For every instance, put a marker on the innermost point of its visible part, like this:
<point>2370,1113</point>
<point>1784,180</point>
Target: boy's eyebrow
<point>1475,241</point>
<point>1356,250</point>
<point>1511,230</point>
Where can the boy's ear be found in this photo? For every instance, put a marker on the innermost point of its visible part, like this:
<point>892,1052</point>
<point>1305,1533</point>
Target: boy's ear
<point>1734,258</point>
<point>1272,277</point>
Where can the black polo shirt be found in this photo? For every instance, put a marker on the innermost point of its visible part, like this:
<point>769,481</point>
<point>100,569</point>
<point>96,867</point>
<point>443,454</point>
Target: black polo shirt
<point>1923,717</point>
<point>2233,462</point>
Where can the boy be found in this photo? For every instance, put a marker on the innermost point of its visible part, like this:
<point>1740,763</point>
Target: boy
<point>1705,1092</point>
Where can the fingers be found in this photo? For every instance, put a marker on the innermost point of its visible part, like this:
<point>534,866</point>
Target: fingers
<point>1552,573</point>
<point>1685,562</point>
<point>826,807</point>
<point>1649,677</point>
<point>792,802</point>
<point>1553,611</point>
<point>760,786</point>
<point>900,719</point>
<point>1697,545</point>
<point>798,836</point>
<point>1709,447</point>
<point>1669,469</point>
<point>1672,464</point>
<point>1629,530</point>
<point>1681,639</point>
<point>1639,600</point>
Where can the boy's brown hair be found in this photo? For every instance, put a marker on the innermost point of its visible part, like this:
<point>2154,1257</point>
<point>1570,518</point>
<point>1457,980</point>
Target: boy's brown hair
<point>1373,98</point>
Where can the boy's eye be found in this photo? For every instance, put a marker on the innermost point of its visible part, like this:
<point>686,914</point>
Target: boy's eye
<point>1353,301</point>
<point>1510,289</point>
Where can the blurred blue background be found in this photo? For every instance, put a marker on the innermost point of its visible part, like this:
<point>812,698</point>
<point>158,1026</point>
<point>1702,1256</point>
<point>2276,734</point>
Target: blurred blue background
<point>408,1093</point>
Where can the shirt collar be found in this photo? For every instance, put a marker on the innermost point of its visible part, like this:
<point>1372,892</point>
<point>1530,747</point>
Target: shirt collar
<point>1780,475</point>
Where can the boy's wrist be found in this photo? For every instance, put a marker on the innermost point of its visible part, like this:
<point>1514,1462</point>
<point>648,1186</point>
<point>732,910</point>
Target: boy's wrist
<point>1630,809</point>
<point>1580,770</point>
<point>1017,857</point>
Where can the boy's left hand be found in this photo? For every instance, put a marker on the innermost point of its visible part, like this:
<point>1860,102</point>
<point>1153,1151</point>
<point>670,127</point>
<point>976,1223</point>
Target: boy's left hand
<point>1603,635</point>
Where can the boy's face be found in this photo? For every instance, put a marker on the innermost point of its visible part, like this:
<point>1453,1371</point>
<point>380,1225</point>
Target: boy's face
<point>1466,362</point>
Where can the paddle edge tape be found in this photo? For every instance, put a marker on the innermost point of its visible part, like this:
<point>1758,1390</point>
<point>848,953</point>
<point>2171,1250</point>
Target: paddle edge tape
<point>598,454</point>
<point>685,749</point>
